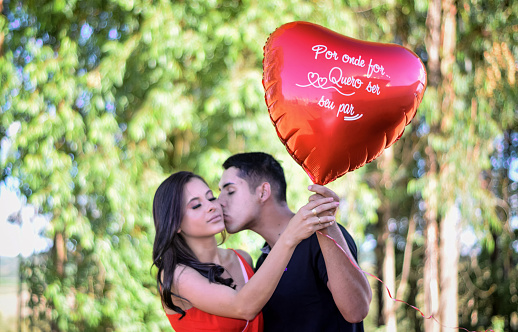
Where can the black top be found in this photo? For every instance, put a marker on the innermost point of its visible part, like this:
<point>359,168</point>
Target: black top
<point>302,302</point>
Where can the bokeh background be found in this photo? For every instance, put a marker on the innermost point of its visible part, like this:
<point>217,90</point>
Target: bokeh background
<point>102,100</point>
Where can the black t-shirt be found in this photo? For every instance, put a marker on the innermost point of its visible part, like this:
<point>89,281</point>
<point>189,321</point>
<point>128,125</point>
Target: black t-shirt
<point>302,302</point>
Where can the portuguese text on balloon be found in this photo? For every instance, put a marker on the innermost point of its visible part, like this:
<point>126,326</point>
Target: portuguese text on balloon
<point>339,81</point>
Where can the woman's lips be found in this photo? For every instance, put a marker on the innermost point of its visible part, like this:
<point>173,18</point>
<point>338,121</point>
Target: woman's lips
<point>216,218</point>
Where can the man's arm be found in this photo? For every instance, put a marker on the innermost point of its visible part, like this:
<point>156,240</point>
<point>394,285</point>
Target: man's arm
<point>350,288</point>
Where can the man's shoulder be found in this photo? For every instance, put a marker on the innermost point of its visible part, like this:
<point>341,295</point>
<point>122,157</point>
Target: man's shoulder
<point>310,246</point>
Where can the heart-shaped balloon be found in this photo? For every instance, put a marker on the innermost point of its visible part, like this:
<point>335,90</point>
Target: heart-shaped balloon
<point>338,102</point>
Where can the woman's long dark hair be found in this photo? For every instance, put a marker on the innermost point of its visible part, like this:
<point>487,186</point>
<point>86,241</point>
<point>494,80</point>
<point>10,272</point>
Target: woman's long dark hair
<point>170,248</point>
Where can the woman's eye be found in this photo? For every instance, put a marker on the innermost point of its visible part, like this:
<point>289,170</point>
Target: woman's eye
<point>196,206</point>
<point>231,192</point>
<point>212,199</point>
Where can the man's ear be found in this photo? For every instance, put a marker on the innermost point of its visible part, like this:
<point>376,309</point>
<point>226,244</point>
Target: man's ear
<point>264,191</point>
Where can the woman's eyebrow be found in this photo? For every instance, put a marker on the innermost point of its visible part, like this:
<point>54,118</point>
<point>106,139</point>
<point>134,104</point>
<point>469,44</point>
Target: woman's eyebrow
<point>193,199</point>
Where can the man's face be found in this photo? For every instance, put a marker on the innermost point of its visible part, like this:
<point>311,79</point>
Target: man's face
<point>240,207</point>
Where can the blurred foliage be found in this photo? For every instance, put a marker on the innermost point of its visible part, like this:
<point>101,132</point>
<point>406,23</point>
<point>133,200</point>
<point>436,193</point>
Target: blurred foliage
<point>101,100</point>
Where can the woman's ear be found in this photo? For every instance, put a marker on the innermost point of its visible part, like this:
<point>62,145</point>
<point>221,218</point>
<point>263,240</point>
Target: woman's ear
<point>264,191</point>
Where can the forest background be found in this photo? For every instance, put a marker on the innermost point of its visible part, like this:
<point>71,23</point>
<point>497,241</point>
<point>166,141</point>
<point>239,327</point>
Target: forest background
<point>101,100</point>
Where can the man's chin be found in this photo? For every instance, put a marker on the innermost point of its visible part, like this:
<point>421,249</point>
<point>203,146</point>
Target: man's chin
<point>234,226</point>
<point>231,230</point>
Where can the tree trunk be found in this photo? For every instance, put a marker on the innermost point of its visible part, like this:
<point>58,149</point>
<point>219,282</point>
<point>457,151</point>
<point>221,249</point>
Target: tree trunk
<point>413,293</point>
<point>433,41</point>
<point>431,278</point>
<point>449,252</point>
<point>59,247</point>
<point>449,225</point>
<point>389,275</point>
<point>407,258</point>
<point>1,33</point>
<point>431,282</point>
<point>380,257</point>
<point>388,257</point>
<point>20,293</point>
<point>60,259</point>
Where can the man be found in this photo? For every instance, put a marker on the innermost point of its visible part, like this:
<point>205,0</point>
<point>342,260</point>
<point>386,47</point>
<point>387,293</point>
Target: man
<point>321,289</point>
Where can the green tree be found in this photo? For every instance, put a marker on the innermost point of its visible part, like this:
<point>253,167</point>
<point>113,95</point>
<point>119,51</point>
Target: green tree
<point>112,96</point>
<point>463,125</point>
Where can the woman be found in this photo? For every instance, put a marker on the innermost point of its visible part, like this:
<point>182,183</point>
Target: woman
<point>207,288</point>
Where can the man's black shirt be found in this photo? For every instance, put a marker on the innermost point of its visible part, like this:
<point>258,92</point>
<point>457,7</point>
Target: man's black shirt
<point>302,301</point>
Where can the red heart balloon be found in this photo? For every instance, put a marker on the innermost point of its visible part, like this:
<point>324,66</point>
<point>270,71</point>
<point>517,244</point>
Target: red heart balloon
<point>337,102</point>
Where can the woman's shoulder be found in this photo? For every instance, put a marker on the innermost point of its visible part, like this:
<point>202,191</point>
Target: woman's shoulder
<point>246,256</point>
<point>230,256</point>
<point>183,272</point>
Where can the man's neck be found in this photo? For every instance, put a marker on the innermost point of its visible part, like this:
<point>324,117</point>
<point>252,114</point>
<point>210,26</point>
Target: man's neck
<point>273,222</point>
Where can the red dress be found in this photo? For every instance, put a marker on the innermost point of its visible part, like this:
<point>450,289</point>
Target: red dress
<point>196,320</point>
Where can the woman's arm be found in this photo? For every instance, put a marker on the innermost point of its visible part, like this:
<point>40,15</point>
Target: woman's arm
<point>248,302</point>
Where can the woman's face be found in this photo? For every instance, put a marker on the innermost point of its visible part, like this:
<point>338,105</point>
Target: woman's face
<point>203,216</point>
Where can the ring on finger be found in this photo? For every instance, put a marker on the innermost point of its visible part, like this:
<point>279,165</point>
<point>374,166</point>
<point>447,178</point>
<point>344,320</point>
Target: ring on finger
<point>314,211</point>
<point>319,221</point>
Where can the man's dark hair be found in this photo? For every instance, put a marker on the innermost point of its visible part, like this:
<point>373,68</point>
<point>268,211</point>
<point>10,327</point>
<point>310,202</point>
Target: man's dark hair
<point>258,167</point>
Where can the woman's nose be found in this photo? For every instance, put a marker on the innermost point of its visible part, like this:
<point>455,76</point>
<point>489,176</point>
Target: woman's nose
<point>213,205</point>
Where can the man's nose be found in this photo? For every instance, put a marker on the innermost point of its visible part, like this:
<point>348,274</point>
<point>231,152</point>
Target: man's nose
<point>221,200</point>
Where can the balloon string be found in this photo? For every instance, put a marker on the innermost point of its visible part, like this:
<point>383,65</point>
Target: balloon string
<point>388,290</point>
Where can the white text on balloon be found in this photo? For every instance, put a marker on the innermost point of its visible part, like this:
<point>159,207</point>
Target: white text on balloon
<point>323,102</point>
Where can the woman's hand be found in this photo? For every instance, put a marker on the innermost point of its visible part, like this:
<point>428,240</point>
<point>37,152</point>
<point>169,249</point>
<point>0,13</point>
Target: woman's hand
<point>314,216</point>
<point>321,192</point>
